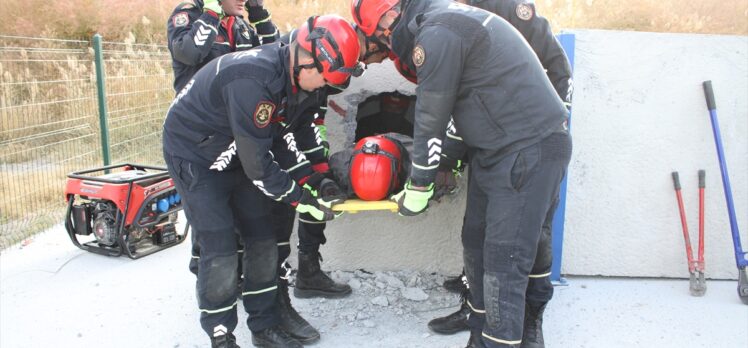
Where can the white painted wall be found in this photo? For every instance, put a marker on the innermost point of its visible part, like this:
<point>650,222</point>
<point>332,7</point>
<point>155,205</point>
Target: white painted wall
<point>639,114</point>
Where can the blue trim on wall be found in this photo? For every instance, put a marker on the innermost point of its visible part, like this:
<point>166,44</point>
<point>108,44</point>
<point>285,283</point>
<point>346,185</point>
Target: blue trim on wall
<point>567,42</point>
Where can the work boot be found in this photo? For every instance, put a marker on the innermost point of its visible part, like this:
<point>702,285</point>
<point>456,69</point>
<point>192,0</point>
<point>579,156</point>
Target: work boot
<point>312,282</point>
<point>455,322</point>
<point>455,284</point>
<point>224,341</point>
<point>475,341</point>
<point>291,322</point>
<point>274,337</point>
<point>532,336</point>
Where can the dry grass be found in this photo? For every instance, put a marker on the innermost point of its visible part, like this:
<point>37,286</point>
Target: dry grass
<point>144,19</point>
<point>705,16</point>
<point>48,116</point>
<point>49,123</point>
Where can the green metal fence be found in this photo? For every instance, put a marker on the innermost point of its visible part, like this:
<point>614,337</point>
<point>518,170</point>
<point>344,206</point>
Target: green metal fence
<point>51,120</point>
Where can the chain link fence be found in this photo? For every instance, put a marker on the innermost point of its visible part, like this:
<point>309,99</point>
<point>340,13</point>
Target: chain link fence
<point>50,120</point>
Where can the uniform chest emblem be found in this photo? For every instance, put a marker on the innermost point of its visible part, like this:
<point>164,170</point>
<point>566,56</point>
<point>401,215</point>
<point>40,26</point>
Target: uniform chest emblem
<point>180,19</point>
<point>524,12</point>
<point>263,112</point>
<point>419,56</point>
<point>245,34</point>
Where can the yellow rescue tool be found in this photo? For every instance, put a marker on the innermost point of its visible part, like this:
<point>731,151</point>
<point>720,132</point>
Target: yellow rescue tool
<point>357,205</point>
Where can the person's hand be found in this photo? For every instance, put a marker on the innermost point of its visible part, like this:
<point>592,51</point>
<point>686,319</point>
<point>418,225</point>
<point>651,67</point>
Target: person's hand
<point>445,183</point>
<point>330,191</point>
<point>315,207</point>
<point>213,6</point>
<point>324,188</point>
<point>253,3</point>
<point>412,201</point>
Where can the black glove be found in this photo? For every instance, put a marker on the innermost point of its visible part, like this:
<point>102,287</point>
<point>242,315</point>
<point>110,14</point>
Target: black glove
<point>330,191</point>
<point>325,188</point>
<point>314,181</point>
<point>445,183</point>
<point>255,12</point>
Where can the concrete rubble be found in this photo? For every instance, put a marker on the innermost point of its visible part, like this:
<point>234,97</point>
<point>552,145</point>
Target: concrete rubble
<point>402,293</point>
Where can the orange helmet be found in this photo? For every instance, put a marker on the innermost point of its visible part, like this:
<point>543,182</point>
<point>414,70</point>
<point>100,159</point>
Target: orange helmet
<point>367,13</point>
<point>375,166</point>
<point>334,46</point>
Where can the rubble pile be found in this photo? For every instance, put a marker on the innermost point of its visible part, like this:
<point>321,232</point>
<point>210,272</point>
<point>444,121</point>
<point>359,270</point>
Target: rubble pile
<point>378,296</point>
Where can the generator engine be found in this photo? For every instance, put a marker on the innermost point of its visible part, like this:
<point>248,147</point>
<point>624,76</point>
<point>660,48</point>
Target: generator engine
<point>133,210</point>
<point>105,223</point>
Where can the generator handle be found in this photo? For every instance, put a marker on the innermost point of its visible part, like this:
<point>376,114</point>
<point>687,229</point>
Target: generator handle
<point>80,174</point>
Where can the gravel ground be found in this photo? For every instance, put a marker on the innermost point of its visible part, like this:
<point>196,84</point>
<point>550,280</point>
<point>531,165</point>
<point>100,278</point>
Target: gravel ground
<point>387,309</point>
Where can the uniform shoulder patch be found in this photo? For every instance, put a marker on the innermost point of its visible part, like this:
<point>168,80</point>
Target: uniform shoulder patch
<point>419,55</point>
<point>263,113</point>
<point>525,11</point>
<point>180,19</point>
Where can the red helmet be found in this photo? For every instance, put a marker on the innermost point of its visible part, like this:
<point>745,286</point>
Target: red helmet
<point>404,70</point>
<point>367,13</point>
<point>334,47</point>
<point>374,167</point>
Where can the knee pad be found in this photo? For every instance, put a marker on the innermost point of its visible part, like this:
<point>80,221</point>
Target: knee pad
<point>218,277</point>
<point>261,257</point>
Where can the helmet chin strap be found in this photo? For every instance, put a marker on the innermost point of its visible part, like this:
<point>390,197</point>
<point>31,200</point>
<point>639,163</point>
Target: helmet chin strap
<point>381,48</point>
<point>387,32</point>
<point>296,66</point>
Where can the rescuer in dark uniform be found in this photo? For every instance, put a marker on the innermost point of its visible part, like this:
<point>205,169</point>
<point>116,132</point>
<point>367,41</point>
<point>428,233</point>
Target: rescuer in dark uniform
<point>218,137</point>
<point>537,32</point>
<point>310,280</point>
<point>312,142</point>
<point>199,31</point>
<point>474,66</point>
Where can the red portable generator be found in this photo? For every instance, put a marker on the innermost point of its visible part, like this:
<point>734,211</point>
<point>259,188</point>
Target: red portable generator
<point>129,208</point>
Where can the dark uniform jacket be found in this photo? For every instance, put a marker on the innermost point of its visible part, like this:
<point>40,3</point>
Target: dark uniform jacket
<point>522,15</point>
<point>234,110</point>
<point>474,65</point>
<point>195,38</point>
<point>312,138</point>
<point>537,31</point>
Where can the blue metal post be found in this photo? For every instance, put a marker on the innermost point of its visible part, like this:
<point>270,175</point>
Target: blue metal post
<point>567,42</point>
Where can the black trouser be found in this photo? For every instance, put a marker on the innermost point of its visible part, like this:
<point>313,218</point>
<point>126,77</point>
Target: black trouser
<point>221,208</point>
<point>506,235</point>
<point>283,216</point>
<point>311,234</point>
